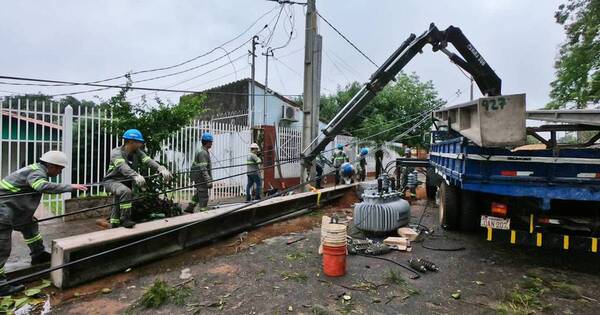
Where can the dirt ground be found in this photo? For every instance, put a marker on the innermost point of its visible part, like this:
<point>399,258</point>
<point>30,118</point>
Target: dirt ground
<point>259,273</point>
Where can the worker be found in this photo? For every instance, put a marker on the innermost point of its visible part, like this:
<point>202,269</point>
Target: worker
<point>201,174</point>
<point>339,158</point>
<point>124,160</point>
<point>253,172</point>
<point>378,162</point>
<point>16,212</point>
<point>321,161</point>
<point>361,165</point>
<point>407,152</point>
<point>347,172</point>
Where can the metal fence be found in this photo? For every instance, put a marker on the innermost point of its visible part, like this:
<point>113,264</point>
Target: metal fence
<point>228,156</point>
<point>29,128</point>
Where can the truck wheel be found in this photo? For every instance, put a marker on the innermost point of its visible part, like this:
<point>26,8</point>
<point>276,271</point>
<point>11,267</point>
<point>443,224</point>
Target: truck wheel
<point>469,217</point>
<point>449,206</point>
<point>431,183</point>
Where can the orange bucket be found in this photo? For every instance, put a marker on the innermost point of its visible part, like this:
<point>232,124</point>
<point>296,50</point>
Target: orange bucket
<point>334,260</point>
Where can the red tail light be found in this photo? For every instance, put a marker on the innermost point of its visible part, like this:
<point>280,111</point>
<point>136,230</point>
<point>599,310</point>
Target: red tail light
<point>499,209</point>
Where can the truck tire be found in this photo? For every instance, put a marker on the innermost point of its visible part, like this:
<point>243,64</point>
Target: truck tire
<point>449,206</point>
<point>431,183</point>
<point>469,217</point>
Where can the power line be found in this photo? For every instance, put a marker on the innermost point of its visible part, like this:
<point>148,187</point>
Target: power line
<point>178,64</point>
<point>346,39</point>
<point>127,87</point>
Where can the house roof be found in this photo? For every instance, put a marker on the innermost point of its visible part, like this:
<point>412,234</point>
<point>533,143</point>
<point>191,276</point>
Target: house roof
<point>247,80</point>
<point>31,120</point>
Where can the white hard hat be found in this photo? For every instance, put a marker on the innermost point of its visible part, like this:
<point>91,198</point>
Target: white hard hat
<point>54,157</point>
<point>254,146</point>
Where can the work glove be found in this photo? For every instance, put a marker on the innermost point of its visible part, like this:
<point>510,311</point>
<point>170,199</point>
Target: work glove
<point>139,180</point>
<point>166,175</point>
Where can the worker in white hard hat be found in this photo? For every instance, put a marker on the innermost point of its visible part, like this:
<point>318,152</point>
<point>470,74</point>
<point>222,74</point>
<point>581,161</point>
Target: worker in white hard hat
<point>253,172</point>
<point>16,212</point>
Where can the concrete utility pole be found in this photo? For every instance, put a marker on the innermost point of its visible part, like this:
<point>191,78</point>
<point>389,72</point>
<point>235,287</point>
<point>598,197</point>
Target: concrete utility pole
<point>252,74</point>
<point>312,82</point>
<point>471,79</point>
<point>267,54</point>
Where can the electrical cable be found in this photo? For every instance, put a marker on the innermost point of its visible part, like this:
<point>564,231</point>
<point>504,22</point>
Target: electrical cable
<point>415,275</point>
<point>168,231</point>
<point>347,40</point>
<point>175,65</point>
<point>134,87</point>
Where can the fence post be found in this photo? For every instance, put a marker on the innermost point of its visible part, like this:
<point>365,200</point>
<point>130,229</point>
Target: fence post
<point>67,145</point>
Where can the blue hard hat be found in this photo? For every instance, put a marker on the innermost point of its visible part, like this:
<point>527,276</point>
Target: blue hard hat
<point>207,137</point>
<point>347,169</point>
<point>340,146</point>
<point>364,151</point>
<point>133,134</point>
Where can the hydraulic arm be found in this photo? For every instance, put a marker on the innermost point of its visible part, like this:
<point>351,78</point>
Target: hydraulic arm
<point>487,80</point>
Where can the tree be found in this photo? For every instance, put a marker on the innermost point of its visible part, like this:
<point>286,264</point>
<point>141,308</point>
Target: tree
<point>577,82</point>
<point>395,105</point>
<point>156,123</point>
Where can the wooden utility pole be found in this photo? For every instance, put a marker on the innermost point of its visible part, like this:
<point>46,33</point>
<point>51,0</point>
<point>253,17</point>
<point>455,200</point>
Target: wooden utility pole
<point>312,83</point>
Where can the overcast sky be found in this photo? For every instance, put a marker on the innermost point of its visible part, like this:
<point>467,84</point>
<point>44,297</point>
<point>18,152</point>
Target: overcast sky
<point>92,40</point>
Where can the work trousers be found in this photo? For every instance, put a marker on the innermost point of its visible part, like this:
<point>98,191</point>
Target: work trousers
<point>122,208</point>
<point>253,179</point>
<point>32,237</point>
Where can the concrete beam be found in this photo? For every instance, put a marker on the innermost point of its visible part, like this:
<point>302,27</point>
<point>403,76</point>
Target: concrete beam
<point>497,121</point>
<point>210,225</point>
<point>579,116</point>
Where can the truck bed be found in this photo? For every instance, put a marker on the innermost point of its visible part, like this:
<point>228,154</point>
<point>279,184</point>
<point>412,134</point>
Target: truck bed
<point>568,174</point>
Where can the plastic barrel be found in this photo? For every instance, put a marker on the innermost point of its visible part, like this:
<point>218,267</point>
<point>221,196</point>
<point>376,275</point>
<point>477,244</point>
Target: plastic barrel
<point>334,260</point>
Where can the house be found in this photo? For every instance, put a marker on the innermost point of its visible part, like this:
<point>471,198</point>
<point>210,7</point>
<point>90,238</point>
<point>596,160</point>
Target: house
<point>231,102</point>
<point>24,139</point>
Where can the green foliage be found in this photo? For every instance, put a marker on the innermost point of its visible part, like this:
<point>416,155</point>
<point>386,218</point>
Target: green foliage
<point>156,123</point>
<point>155,201</point>
<point>577,82</point>
<point>396,104</point>
<point>160,293</point>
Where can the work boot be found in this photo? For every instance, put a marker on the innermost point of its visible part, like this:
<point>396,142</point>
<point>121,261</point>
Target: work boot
<point>41,258</point>
<point>6,290</point>
<point>127,223</point>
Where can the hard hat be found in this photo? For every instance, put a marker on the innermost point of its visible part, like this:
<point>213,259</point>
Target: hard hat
<point>340,146</point>
<point>133,134</point>
<point>207,137</point>
<point>347,169</point>
<point>54,157</point>
<point>254,146</point>
<point>364,151</point>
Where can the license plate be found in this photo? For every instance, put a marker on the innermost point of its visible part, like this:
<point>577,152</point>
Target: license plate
<point>495,223</point>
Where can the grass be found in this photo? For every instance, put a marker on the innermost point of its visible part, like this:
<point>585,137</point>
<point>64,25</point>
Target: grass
<point>525,298</point>
<point>395,277</point>
<point>295,256</point>
<point>294,276</point>
<point>161,293</point>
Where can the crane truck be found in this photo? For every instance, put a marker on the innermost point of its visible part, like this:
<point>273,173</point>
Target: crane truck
<point>546,195</point>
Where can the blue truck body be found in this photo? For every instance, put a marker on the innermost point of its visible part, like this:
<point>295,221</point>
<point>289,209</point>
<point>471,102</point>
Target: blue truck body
<point>566,175</point>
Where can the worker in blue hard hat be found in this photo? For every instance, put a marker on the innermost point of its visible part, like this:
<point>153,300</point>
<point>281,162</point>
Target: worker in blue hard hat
<point>339,157</point>
<point>361,165</point>
<point>121,174</point>
<point>347,172</point>
<point>201,174</point>
<point>321,161</point>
